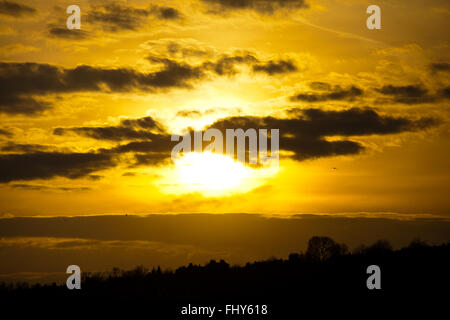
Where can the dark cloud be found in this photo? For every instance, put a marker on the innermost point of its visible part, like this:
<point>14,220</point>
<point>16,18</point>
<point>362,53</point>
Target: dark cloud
<point>159,144</point>
<point>274,67</point>
<point>5,133</point>
<point>331,93</point>
<point>129,174</point>
<point>47,165</point>
<point>19,82</point>
<point>64,33</point>
<point>261,6</point>
<point>26,148</point>
<point>22,85</point>
<point>19,104</point>
<point>155,151</point>
<point>408,94</point>
<point>410,91</point>
<point>225,65</point>
<point>153,147</point>
<point>174,74</point>
<point>444,93</point>
<point>305,134</point>
<point>144,123</point>
<point>151,159</point>
<point>355,122</point>
<point>440,66</point>
<point>174,48</point>
<point>107,133</point>
<point>95,177</point>
<point>116,17</point>
<point>129,129</point>
<point>34,187</point>
<point>14,9</point>
<point>119,17</point>
<point>189,113</point>
<point>166,13</point>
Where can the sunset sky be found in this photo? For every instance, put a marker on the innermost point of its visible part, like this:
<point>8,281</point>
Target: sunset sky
<point>87,115</point>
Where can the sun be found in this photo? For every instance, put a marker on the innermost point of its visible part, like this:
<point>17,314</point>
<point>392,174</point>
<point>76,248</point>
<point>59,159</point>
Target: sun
<point>211,172</point>
<point>212,175</point>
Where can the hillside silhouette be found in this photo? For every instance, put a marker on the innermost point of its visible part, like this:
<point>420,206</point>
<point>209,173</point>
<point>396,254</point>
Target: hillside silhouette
<point>326,275</point>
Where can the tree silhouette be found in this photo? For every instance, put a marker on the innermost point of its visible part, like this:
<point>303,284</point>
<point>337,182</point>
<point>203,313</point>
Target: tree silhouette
<point>418,243</point>
<point>380,247</point>
<point>323,248</point>
<point>326,272</point>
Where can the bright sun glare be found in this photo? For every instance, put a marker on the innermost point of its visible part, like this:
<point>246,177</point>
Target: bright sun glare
<point>210,171</point>
<point>212,174</point>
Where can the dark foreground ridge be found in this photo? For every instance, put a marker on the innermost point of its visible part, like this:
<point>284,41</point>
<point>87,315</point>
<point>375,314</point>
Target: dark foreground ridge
<point>326,276</point>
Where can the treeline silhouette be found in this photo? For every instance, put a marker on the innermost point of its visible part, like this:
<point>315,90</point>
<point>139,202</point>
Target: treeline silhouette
<point>326,271</point>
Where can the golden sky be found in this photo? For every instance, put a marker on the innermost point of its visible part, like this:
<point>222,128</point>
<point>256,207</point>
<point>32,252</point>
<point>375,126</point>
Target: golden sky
<point>86,115</point>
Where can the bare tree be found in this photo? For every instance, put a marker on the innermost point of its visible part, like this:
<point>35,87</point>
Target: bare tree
<point>323,248</point>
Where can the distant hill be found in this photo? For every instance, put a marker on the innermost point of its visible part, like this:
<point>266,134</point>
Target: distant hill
<point>325,274</point>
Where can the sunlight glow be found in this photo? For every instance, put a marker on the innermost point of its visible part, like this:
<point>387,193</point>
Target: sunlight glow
<point>213,174</point>
<point>210,171</point>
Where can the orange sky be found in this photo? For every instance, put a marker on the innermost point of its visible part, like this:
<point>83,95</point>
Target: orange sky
<point>371,103</point>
